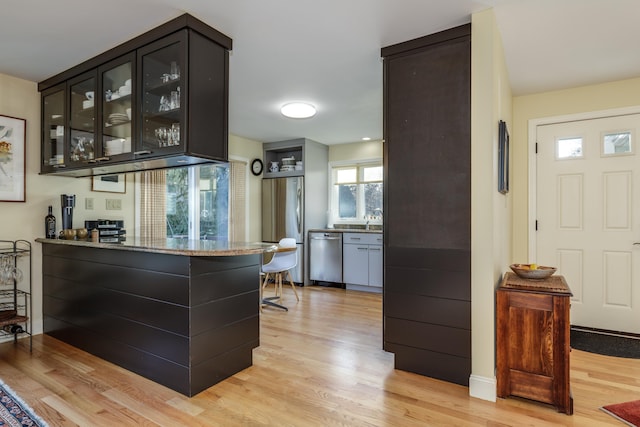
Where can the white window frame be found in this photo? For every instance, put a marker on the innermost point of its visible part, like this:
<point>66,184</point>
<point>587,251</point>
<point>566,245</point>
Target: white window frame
<point>333,218</point>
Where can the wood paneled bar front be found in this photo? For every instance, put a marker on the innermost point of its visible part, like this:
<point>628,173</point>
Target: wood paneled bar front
<point>182,313</point>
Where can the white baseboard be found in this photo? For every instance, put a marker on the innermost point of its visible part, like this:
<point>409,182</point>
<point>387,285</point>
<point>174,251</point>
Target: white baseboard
<point>482,388</point>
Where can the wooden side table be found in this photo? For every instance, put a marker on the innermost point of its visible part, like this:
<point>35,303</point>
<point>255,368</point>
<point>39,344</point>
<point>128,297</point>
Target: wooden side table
<point>533,340</point>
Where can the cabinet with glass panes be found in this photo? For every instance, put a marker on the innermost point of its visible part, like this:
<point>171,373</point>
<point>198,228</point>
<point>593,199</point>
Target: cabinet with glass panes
<point>53,128</point>
<point>159,100</point>
<point>117,98</point>
<point>81,144</point>
<point>163,106</point>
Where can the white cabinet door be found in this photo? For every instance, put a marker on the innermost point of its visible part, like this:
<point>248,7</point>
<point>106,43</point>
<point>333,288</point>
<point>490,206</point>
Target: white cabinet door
<point>375,266</point>
<point>355,261</point>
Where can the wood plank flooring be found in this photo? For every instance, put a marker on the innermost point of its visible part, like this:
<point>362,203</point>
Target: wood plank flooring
<point>319,364</point>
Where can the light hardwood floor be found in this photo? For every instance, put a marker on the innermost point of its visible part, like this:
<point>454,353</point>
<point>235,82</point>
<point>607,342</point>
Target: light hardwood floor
<point>320,364</point>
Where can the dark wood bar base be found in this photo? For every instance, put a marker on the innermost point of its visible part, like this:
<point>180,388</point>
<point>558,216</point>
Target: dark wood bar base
<point>186,322</point>
<point>533,340</point>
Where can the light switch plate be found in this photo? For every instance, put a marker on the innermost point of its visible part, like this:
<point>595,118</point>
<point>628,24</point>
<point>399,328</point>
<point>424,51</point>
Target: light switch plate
<point>113,204</point>
<point>88,203</point>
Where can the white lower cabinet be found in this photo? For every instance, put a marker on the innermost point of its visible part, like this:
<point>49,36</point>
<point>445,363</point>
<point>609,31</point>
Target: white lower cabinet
<point>375,265</point>
<point>362,261</point>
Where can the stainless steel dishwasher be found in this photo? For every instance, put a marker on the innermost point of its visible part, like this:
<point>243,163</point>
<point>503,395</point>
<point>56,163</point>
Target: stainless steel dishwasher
<point>325,256</point>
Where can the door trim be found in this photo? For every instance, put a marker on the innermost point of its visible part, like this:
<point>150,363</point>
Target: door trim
<point>532,158</point>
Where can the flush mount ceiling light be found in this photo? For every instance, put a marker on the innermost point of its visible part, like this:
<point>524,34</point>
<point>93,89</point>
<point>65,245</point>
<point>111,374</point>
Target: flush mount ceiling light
<point>298,110</point>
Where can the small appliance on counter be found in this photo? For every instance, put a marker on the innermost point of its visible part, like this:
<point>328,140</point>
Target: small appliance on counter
<point>68,202</point>
<point>109,230</point>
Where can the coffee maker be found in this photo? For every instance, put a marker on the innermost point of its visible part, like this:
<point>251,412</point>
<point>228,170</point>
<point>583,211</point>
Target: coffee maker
<point>67,203</point>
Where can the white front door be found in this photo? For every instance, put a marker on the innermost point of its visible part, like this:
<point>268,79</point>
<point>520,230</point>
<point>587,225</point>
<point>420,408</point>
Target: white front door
<point>588,213</point>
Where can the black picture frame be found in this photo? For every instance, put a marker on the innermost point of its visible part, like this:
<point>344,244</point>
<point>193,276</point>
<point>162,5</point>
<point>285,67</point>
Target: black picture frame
<point>503,157</point>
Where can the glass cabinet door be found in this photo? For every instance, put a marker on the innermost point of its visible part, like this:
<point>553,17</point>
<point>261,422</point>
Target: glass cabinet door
<point>82,119</point>
<point>118,99</point>
<point>163,95</point>
<point>53,127</point>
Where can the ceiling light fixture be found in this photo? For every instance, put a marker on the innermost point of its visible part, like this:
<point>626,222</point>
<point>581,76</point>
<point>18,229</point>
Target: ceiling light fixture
<point>366,138</point>
<point>298,110</point>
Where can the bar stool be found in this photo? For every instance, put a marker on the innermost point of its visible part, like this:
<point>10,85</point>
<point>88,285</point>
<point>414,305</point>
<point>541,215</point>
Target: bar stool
<point>284,259</point>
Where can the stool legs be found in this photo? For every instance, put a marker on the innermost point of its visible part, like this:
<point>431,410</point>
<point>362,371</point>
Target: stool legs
<point>293,286</point>
<point>277,276</point>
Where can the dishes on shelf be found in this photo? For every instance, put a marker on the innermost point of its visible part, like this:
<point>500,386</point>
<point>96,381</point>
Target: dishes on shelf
<point>117,118</point>
<point>117,146</point>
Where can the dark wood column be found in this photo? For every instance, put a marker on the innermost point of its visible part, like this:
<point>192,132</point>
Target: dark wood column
<point>427,204</point>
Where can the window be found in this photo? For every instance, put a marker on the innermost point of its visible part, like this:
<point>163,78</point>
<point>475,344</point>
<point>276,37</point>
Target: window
<point>198,202</point>
<point>616,143</point>
<point>356,193</point>
<point>569,148</point>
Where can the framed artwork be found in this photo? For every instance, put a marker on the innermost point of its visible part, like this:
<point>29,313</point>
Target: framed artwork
<point>109,183</point>
<point>503,158</point>
<point>12,159</point>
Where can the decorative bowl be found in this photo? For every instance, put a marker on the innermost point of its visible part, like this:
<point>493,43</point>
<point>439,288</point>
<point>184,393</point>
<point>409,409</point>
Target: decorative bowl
<point>69,233</point>
<point>539,272</point>
<point>82,233</point>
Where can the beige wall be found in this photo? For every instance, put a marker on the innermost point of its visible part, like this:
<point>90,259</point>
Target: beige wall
<point>491,211</point>
<point>365,150</point>
<point>619,94</point>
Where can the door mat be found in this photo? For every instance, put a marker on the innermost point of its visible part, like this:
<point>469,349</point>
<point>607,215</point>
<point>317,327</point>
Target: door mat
<point>605,343</point>
<point>14,412</point>
<point>628,412</point>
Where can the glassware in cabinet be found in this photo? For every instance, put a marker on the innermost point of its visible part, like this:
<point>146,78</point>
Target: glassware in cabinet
<point>118,99</point>
<point>82,119</point>
<point>163,95</point>
<point>53,128</point>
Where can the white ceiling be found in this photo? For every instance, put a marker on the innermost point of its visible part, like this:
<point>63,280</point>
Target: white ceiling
<point>328,52</point>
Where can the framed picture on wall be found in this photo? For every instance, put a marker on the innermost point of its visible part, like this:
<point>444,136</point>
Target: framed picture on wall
<point>109,183</point>
<point>503,158</point>
<point>12,159</point>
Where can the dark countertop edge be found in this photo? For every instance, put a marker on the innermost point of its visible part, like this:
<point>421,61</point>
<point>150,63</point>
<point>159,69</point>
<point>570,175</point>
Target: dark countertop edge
<point>157,246</point>
<point>343,230</point>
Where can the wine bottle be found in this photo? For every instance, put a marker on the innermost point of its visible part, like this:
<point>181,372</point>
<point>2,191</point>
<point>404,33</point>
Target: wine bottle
<point>13,329</point>
<point>50,224</point>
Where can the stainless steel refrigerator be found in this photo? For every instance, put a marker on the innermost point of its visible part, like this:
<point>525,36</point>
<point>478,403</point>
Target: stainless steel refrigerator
<point>283,215</point>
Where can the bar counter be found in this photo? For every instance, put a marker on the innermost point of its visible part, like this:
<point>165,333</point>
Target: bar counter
<point>182,313</point>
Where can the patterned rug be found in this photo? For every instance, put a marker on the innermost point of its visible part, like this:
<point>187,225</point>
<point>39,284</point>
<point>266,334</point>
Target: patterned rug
<point>628,412</point>
<point>14,412</point>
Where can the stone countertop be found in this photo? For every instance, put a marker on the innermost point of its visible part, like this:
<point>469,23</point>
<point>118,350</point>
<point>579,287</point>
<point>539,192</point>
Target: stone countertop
<point>174,246</point>
<point>343,230</point>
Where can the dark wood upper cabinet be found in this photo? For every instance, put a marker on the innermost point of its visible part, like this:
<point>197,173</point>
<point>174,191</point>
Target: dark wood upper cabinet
<point>159,100</point>
<point>427,204</point>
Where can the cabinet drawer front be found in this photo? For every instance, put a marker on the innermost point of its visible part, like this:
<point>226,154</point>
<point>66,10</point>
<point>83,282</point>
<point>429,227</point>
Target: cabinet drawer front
<point>363,238</point>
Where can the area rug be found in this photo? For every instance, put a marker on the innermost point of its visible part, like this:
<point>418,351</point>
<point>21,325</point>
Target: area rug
<point>628,412</point>
<point>605,343</point>
<point>14,412</point>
